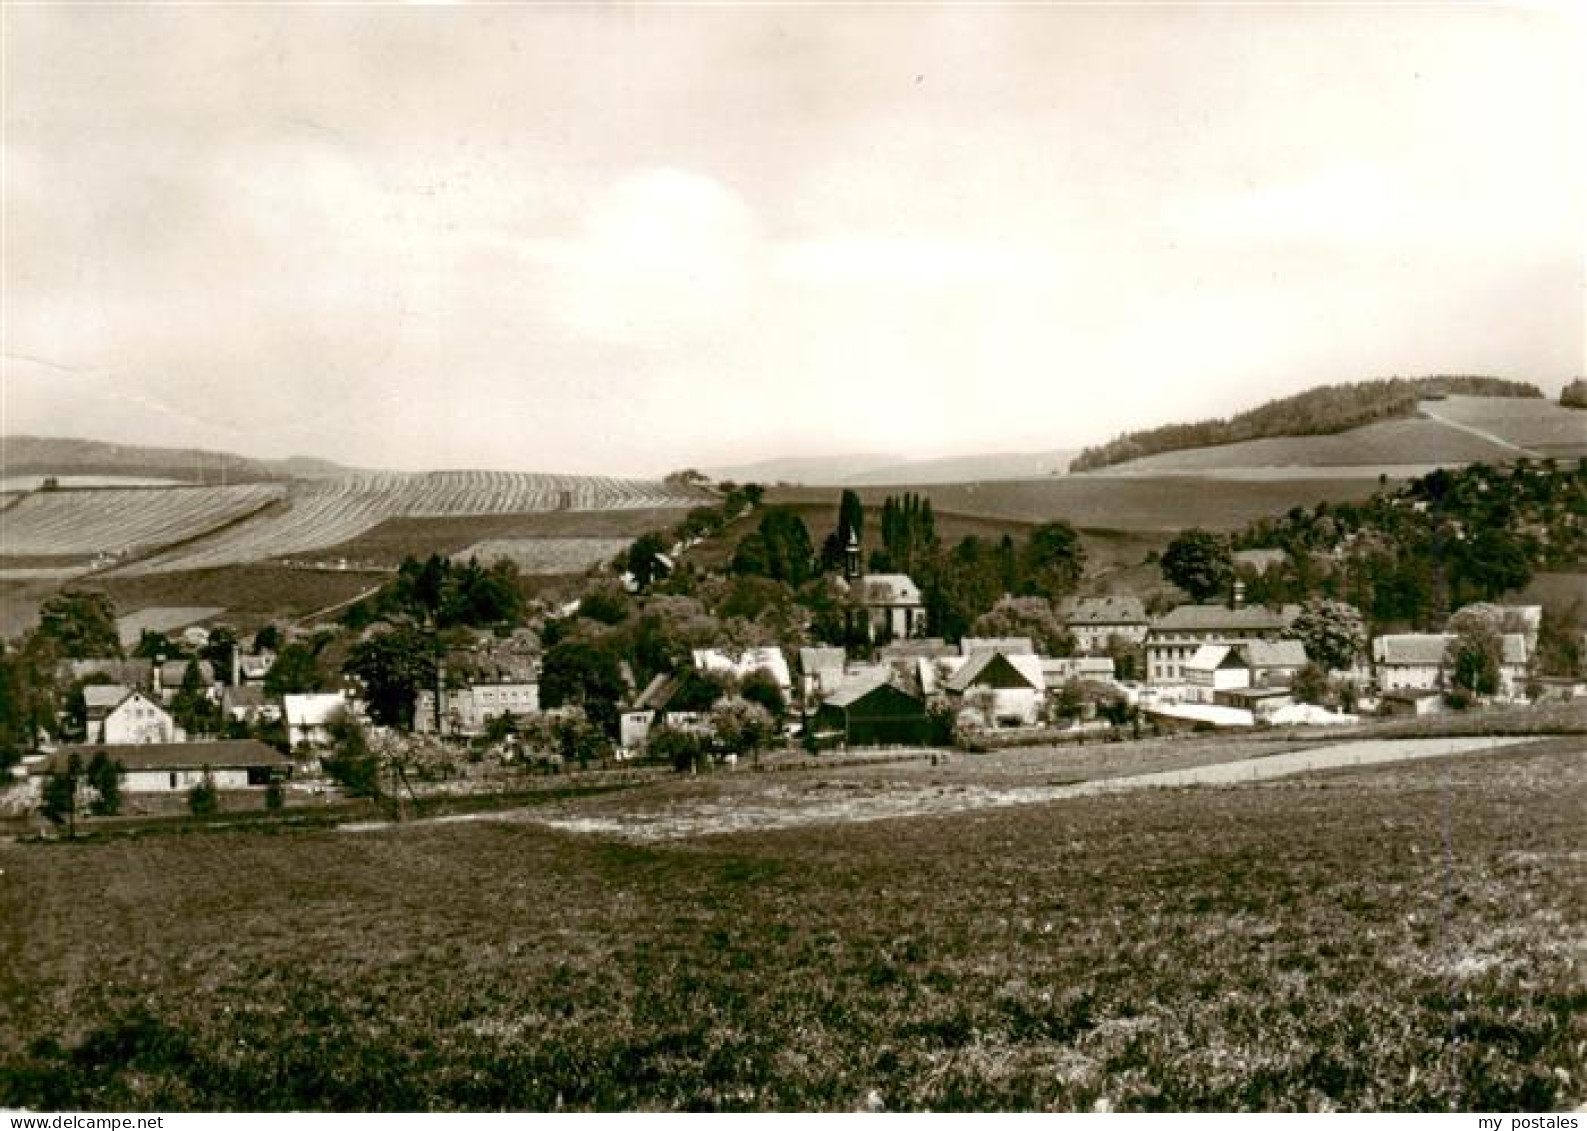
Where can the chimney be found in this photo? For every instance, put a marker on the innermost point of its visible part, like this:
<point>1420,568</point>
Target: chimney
<point>156,674</point>
<point>1238,599</point>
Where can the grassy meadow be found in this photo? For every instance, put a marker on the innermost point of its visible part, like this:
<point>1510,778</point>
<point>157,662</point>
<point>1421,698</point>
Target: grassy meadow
<point>1400,937</point>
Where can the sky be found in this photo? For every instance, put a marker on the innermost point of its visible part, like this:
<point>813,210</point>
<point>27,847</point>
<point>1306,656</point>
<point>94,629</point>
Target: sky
<point>622,240</point>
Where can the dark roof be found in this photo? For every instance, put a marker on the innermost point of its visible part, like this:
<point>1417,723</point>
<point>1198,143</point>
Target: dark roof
<point>227,755</point>
<point>1216,618</point>
<point>1102,610</point>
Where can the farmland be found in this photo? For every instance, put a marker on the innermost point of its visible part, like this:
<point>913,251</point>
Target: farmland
<point>186,528</point>
<point>1391,937</point>
<point>1381,446</point>
<point>1147,505</point>
<point>547,555</point>
<point>1546,428</point>
<point>123,520</point>
<point>398,538</point>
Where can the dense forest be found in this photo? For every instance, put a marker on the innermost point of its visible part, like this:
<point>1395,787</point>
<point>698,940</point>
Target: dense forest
<point>1322,411</point>
<point>1407,558</point>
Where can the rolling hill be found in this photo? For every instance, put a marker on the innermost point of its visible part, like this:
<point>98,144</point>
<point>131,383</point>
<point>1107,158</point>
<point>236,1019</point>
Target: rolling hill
<point>1442,432</point>
<point>895,471</point>
<point>1325,410</point>
<point>73,458</point>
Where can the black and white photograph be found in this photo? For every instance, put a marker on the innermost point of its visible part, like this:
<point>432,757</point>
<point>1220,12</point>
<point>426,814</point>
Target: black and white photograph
<point>793,557</point>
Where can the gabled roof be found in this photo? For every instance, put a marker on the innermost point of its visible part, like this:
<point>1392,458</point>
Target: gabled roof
<point>1008,645</point>
<point>924,647</point>
<point>658,693</point>
<point>1102,610</point>
<point>997,669</point>
<point>857,688</point>
<point>172,672</point>
<point>315,710</point>
<point>1218,618</point>
<point>1429,648</point>
<point>232,754</point>
<point>1060,669</point>
<point>889,589</point>
<point>812,660</point>
<point>1211,657</point>
<point>102,697</point>
<point>1275,653</point>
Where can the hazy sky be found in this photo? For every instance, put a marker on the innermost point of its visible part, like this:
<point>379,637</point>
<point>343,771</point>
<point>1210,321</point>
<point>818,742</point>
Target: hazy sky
<point>622,240</point>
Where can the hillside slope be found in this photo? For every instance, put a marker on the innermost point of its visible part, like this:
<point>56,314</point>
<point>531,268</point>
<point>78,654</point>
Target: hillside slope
<point>1327,410</point>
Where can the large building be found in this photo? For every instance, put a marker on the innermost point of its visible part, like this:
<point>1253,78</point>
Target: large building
<point>1093,621</point>
<point>121,715</point>
<point>1177,636</point>
<point>468,710</point>
<point>1419,662</point>
<point>171,767</point>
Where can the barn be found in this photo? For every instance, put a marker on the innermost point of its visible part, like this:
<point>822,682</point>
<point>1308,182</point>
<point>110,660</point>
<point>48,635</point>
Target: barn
<point>872,712</point>
<point>173,767</point>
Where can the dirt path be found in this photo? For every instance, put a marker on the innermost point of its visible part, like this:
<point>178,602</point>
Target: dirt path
<point>790,806</point>
<point>1429,409</point>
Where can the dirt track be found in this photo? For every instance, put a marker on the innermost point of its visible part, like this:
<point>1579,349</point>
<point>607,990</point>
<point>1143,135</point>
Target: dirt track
<point>827,802</point>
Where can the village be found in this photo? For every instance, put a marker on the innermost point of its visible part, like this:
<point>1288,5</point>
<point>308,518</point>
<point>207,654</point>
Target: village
<point>450,681</point>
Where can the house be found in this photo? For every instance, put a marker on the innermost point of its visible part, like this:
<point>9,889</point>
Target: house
<point>468,710</point>
<point>1093,621</point>
<point>1524,619</point>
<point>247,703</point>
<point>120,715</point>
<point>891,604</point>
<point>1215,668</point>
<point>1417,662</point>
<point>1173,639</point>
<point>129,673</point>
<point>168,677</point>
<point>766,659</point>
<point>1059,670</point>
<point>169,767</point>
<point>820,672</point>
<point>1253,664</point>
<point>656,706</point>
<point>311,717</point>
<point>1006,689</point>
<point>1274,663</point>
<point>870,710</point>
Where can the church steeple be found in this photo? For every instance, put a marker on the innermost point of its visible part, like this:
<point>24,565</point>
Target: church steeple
<point>851,557</point>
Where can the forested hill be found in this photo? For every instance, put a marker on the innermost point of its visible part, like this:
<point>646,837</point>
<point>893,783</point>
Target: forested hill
<point>1324,410</point>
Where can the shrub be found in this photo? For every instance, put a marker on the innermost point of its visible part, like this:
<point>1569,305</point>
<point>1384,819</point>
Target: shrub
<point>203,800</point>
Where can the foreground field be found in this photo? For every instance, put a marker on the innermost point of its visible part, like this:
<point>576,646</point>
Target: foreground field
<point>1390,937</point>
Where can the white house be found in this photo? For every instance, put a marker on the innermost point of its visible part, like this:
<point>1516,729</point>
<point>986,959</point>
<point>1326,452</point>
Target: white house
<point>892,605</point>
<point>1012,686</point>
<point>468,710</point>
<point>310,717</point>
<point>1215,668</point>
<point>1093,621</point>
<point>1417,662</point>
<point>1177,636</point>
<point>120,715</point>
<point>170,767</point>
